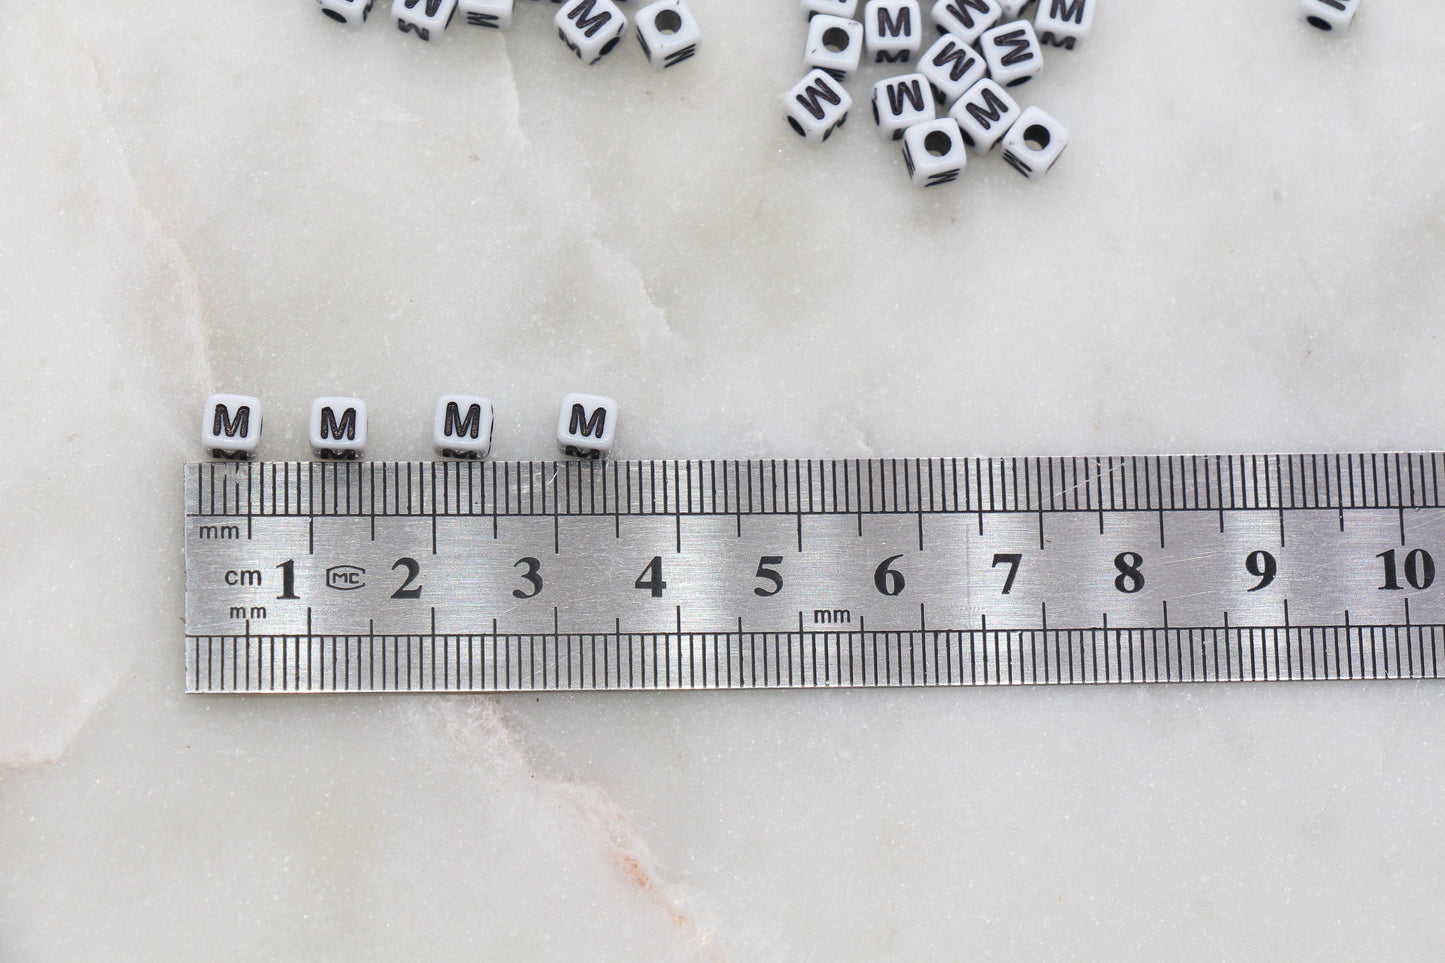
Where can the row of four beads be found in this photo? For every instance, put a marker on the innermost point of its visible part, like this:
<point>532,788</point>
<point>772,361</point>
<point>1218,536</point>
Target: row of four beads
<point>231,426</point>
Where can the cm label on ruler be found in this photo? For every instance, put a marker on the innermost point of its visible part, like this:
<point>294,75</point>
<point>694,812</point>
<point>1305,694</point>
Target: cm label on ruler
<point>893,546</point>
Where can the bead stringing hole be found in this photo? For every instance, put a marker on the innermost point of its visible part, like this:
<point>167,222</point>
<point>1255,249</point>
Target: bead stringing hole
<point>835,39</point>
<point>938,143</point>
<point>668,21</point>
<point>1037,137</point>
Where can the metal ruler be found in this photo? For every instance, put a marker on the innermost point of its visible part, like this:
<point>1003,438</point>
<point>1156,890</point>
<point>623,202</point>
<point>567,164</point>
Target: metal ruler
<point>495,576</point>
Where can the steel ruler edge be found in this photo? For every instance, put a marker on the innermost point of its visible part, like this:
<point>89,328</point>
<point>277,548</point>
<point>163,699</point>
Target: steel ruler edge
<point>456,576</point>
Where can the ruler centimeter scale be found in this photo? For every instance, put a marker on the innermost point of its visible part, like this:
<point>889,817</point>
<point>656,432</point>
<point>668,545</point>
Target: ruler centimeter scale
<point>497,576</point>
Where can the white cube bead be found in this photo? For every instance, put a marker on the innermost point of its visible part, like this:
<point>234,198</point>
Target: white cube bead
<point>951,67</point>
<point>668,32</point>
<point>1034,142</point>
<point>966,19</point>
<point>463,427</point>
<point>1013,9</point>
<point>231,426</point>
<point>1063,23</point>
<point>984,114</point>
<point>496,14</point>
<point>347,11</point>
<point>832,8</point>
<point>900,102</point>
<point>1329,14</point>
<point>1012,52</point>
<point>934,152</point>
<point>425,18</point>
<point>590,28</point>
<point>816,106</point>
<point>587,425</point>
<point>338,427</point>
<point>835,44</point>
<point>892,31</point>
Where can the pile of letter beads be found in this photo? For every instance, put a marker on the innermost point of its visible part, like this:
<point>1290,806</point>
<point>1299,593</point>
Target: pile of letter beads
<point>1329,15</point>
<point>666,30</point>
<point>957,96</point>
<point>231,426</point>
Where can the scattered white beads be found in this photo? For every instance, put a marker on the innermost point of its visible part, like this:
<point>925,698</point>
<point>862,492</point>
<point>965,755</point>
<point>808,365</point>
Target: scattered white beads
<point>666,30</point>
<point>984,48</point>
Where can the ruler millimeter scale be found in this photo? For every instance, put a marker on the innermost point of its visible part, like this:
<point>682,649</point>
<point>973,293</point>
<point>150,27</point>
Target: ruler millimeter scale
<point>497,576</point>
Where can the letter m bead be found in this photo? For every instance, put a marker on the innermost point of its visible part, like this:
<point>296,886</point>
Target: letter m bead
<point>587,425</point>
<point>231,426</point>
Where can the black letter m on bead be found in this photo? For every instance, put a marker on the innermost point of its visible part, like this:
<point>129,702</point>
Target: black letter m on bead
<point>588,25</point>
<point>240,425</point>
<point>346,428</point>
<point>1065,10</point>
<point>458,427</point>
<point>811,95</point>
<point>890,26</point>
<point>587,427</point>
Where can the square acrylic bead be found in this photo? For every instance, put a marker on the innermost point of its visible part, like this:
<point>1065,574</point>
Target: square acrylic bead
<point>590,28</point>
<point>1012,52</point>
<point>1063,23</point>
<point>463,427</point>
<point>984,114</point>
<point>338,427</point>
<point>816,106</point>
<point>900,102</point>
<point>1034,143</point>
<point>832,8</point>
<point>425,18</point>
<point>892,31</point>
<point>231,426</point>
<point>496,14</point>
<point>951,67</point>
<point>934,152</point>
<point>668,32</point>
<point>1329,15</point>
<point>587,425</point>
<point>835,44</point>
<point>352,12</point>
<point>966,19</point>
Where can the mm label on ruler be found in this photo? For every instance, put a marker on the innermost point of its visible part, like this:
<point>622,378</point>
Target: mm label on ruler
<point>496,576</point>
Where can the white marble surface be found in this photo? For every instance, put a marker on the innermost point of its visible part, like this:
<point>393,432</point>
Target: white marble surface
<point>1240,250</point>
